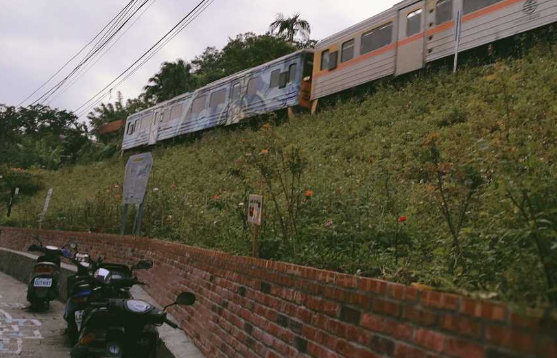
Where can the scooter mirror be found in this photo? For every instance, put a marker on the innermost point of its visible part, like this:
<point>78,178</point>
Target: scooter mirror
<point>72,245</point>
<point>143,265</point>
<point>185,299</point>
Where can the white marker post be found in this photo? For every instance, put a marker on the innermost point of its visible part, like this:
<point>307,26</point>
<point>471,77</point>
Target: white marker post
<point>255,211</point>
<point>458,30</point>
<point>45,206</point>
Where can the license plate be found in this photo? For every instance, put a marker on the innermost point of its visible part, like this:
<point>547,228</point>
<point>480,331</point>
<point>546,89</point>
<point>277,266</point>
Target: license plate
<point>78,319</point>
<point>43,282</point>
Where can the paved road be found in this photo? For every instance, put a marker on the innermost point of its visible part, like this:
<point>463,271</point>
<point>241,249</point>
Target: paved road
<point>28,334</point>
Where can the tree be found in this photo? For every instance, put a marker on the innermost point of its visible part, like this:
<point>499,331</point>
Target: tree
<point>39,135</point>
<point>289,27</point>
<point>243,52</point>
<point>173,79</point>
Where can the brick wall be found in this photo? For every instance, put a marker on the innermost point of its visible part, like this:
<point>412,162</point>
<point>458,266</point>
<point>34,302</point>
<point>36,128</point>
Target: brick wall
<point>256,308</point>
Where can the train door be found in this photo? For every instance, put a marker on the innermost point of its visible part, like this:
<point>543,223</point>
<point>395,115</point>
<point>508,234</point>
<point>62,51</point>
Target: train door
<point>154,133</point>
<point>410,44</point>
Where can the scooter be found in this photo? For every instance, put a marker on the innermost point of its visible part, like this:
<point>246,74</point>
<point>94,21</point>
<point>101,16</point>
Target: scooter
<point>87,288</point>
<point>43,286</point>
<point>123,328</point>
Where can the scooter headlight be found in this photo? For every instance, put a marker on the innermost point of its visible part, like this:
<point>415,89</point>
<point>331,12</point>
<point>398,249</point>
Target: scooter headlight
<point>138,306</point>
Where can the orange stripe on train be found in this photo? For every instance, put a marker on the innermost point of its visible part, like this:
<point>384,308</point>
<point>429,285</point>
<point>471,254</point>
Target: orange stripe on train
<point>446,26</point>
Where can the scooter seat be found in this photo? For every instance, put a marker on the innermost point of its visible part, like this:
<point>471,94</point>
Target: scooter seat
<point>46,263</point>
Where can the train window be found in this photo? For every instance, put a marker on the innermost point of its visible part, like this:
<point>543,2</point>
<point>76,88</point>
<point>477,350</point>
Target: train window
<point>333,60</point>
<point>165,116</point>
<point>325,60</point>
<point>377,38</point>
<point>176,111</point>
<point>292,73</point>
<point>146,122</point>
<point>414,23</point>
<point>275,78</point>
<point>443,11</point>
<point>199,104</point>
<point>236,91</point>
<point>253,85</point>
<point>129,131</point>
<point>347,51</point>
<point>217,98</point>
<point>474,5</point>
<point>283,79</point>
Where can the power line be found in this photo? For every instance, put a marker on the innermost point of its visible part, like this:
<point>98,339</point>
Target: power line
<point>99,48</point>
<point>77,54</point>
<point>179,24</point>
<point>97,101</point>
<point>84,71</point>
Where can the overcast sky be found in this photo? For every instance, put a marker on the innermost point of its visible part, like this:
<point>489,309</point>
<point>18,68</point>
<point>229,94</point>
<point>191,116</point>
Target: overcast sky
<point>38,36</point>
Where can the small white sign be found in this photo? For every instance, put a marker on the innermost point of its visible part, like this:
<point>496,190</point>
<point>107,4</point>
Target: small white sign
<point>255,209</point>
<point>46,203</point>
<point>16,191</point>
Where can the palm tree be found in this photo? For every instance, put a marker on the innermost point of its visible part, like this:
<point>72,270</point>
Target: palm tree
<point>173,79</point>
<point>289,27</point>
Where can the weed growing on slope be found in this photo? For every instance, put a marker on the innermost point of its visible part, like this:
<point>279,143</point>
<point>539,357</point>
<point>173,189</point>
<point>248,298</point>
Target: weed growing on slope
<point>447,180</point>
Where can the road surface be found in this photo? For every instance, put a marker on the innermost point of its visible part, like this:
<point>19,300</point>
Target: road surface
<point>27,334</point>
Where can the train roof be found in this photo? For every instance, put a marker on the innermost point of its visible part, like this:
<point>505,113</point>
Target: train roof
<point>364,24</point>
<point>220,82</point>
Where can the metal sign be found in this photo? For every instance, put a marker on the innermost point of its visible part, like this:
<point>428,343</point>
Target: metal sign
<point>255,209</point>
<point>138,170</point>
<point>46,204</point>
<point>16,191</point>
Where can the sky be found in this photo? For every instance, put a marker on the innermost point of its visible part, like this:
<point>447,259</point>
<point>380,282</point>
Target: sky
<point>37,37</point>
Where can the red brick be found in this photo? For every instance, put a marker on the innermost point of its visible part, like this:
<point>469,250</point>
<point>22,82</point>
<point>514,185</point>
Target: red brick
<point>405,351</point>
<point>430,339</point>
<point>420,316</point>
<point>373,285</point>
<point>463,349</point>
<point>483,309</point>
<point>387,326</point>
<point>462,325</point>
<point>440,300</point>
<point>512,339</point>
<point>385,307</point>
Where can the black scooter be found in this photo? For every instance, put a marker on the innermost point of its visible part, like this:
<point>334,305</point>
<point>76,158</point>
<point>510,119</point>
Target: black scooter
<point>86,288</point>
<point>43,285</point>
<point>123,328</point>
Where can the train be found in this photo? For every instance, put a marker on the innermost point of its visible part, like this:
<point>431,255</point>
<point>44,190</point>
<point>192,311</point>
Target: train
<point>400,40</point>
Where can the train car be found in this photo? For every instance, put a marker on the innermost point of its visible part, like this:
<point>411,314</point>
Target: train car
<point>412,33</point>
<point>282,83</point>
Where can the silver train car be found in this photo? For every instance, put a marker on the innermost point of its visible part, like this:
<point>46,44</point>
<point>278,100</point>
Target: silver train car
<point>282,83</point>
<point>412,33</point>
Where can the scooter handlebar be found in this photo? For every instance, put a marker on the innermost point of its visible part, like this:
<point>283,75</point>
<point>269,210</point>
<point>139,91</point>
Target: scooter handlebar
<point>170,323</point>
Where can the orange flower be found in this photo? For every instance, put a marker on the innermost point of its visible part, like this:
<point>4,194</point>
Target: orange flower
<point>215,197</point>
<point>265,151</point>
<point>309,194</point>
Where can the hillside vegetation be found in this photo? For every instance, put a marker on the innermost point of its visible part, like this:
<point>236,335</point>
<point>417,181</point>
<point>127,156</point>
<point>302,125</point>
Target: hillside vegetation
<point>445,180</point>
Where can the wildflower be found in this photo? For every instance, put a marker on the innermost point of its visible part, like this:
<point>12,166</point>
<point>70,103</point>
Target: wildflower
<point>215,197</point>
<point>173,186</point>
<point>265,151</point>
<point>118,196</point>
<point>309,194</point>
<point>402,219</point>
<point>329,223</point>
<point>155,190</point>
